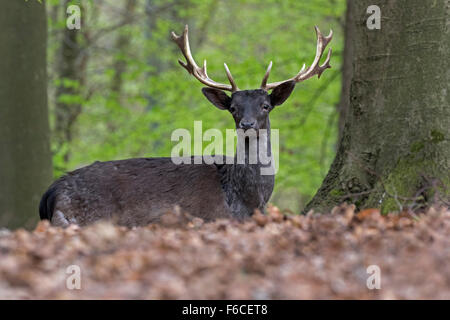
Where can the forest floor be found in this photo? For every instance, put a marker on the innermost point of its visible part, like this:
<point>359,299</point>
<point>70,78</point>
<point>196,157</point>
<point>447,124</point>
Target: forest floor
<point>270,256</point>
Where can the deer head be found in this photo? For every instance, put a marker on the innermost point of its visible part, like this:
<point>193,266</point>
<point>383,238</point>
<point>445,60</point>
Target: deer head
<point>250,108</point>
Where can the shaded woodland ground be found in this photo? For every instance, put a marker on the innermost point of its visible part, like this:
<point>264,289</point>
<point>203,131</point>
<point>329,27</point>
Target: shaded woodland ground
<point>268,257</point>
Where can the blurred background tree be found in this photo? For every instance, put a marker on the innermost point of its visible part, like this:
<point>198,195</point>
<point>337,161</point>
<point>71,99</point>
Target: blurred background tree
<point>116,90</point>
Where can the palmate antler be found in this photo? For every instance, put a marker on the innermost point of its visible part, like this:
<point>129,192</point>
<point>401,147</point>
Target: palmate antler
<point>200,73</point>
<point>314,69</point>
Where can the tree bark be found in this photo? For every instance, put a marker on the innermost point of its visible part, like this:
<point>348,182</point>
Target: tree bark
<point>347,69</point>
<point>25,157</point>
<point>395,150</point>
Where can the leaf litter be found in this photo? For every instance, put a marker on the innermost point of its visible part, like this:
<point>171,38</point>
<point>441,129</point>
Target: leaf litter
<point>272,256</point>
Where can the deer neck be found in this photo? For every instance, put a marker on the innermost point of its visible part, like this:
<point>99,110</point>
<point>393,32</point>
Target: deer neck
<point>253,151</point>
<point>249,182</point>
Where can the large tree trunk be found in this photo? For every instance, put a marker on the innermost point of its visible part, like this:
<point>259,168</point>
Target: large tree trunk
<point>25,158</point>
<point>395,148</point>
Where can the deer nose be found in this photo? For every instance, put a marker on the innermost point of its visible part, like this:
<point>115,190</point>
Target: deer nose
<point>244,124</point>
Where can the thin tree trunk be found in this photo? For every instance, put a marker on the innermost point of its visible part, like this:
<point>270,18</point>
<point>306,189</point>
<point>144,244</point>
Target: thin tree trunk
<point>395,148</point>
<point>25,157</point>
<point>153,59</point>
<point>72,63</point>
<point>122,42</point>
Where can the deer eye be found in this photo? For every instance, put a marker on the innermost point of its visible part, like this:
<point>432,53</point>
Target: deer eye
<point>265,106</point>
<point>232,109</point>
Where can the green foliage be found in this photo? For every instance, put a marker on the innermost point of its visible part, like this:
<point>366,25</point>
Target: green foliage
<point>158,96</point>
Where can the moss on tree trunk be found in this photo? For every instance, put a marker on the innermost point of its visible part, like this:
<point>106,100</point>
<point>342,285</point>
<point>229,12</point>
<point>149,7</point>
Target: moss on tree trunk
<point>395,148</point>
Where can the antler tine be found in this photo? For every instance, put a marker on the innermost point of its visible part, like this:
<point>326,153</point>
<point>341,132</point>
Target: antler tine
<point>315,68</point>
<point>266,77</point>
<point>191,66</point>
<point>183,43</point>
<point>234,87</point>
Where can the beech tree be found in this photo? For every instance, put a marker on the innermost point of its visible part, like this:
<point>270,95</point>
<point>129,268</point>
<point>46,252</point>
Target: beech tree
<point>394,152</point>
<point>25,158</point>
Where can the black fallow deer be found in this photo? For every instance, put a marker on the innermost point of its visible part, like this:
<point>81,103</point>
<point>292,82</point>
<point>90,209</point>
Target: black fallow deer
<point>139,191</point>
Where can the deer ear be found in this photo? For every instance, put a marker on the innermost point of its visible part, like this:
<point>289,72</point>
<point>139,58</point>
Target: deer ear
<point>217,97</point>
<point>280,94</point>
